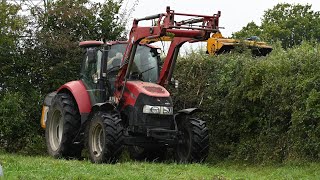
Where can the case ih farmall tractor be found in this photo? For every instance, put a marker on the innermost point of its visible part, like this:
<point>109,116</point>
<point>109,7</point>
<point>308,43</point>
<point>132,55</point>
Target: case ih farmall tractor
<point>121,99</point>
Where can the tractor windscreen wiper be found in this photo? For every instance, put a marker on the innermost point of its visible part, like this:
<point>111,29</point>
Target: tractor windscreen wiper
<point>147,70</point>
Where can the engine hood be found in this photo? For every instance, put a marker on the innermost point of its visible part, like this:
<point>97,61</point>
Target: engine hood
<point>150,89</point>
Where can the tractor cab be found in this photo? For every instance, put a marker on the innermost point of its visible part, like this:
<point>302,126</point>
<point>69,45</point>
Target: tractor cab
<point>101,64</point>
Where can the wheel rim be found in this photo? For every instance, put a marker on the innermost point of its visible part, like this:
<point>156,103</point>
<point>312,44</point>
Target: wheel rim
<point>184,146</point>
<point>56,130</point>
<point>97,140</point>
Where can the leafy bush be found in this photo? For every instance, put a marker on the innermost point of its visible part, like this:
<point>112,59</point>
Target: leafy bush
<point>258,109</point>
<point>18,129</point>
<point>39,53</point>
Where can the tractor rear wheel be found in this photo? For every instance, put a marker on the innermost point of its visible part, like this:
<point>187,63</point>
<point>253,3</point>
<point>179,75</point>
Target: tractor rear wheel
<point>105,137</point>
<point>148,154</point>
<point>62,126</point>
<point>193,143</point>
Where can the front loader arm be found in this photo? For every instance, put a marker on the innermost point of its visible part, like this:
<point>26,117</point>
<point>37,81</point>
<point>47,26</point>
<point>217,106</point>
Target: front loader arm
<point>170,60</point>
<point>166,26</point>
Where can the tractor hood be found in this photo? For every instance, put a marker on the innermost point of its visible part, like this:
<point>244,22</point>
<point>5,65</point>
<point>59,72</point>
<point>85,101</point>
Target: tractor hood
<point>149,89</point>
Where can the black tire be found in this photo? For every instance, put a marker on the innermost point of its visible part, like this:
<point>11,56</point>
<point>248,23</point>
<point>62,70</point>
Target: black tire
<point>62,127</point>
<point>193,143</point>
<point>105,137</point>
<point>147,154</point>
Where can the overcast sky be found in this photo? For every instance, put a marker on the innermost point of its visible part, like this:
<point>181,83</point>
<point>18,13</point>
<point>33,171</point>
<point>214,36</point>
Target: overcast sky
<point>235,14</point>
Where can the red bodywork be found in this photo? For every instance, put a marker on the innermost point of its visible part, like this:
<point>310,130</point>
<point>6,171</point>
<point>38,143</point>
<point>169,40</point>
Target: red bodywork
<point>134,88</point>
<point>80,94</point>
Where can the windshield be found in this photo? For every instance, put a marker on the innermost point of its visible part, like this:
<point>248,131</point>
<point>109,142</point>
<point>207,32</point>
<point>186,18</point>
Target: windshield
<point>145,64</point>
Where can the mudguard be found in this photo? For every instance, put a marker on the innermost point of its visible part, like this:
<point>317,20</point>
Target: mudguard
<point>80,94</point>
<point>189,111</point>
<point>185,112</point>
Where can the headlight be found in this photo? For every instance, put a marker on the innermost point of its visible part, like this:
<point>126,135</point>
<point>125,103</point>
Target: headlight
<point>157,110</point>
<point>167,110</point>
<point>151,109</point>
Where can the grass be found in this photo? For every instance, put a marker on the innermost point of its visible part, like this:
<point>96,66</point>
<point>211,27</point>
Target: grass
<point>30,167</point>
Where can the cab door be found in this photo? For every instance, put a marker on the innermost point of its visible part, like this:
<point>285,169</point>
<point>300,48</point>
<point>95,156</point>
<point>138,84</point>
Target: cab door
<point>91,74</point>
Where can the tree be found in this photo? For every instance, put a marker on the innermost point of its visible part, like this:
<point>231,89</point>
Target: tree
<point>17,118</point>
<point>12,26</point>
<point>291,24</point>
<point>62,27</point>
<point>39,53</point>
<point>252,29</point>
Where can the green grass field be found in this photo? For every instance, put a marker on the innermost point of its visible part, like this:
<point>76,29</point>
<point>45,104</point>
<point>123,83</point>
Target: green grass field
<point>26,167</point>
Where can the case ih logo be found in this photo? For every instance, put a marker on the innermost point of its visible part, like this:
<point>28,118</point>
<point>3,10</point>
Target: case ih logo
<point>154,89</point>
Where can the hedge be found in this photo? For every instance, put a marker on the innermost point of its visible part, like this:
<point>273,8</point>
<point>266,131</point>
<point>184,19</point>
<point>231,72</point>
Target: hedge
<point>19,129</point>
<point>259,110</point>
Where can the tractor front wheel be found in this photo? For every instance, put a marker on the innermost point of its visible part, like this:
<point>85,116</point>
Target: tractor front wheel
<point>193,145</point>
<point>62,126</point>
<point>105,137</point>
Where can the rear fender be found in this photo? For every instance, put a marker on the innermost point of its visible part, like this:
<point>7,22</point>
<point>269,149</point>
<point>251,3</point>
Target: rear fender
<point>79,92</point>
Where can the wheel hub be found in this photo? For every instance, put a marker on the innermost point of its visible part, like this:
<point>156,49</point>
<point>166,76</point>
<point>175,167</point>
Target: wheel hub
<point>56,130</point>
<point>97,140</point>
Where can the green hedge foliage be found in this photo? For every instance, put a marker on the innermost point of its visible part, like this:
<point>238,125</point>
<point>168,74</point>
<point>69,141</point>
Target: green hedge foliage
<point>19,130</point>
<point>258,109</point>
<point>264,109</point>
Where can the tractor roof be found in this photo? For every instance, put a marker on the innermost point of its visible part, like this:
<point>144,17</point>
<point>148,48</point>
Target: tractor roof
<point>86,44</point>
<point>126,42</point>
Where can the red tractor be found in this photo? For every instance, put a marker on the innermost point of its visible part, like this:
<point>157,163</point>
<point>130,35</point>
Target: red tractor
<point>121,100</point>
